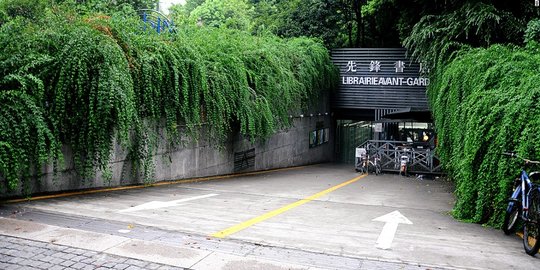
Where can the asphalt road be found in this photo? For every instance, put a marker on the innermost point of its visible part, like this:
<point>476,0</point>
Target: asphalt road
<point>315,217</point>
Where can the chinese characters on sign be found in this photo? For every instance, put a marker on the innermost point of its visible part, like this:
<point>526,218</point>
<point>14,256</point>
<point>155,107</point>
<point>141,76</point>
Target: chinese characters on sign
<point>375,67</point>
<point>351,66</point>
<point>399,65</point>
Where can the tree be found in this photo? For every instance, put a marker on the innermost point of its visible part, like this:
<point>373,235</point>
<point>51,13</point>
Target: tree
<point>457,24</point>
<point>312,18</point>
<point>29,9</point>
<point>112,5</point>
<point>235,14</point>
<point>264,17</point>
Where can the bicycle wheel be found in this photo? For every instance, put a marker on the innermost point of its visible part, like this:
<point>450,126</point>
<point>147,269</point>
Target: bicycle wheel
<point>511,217</point>
<point>378,169</point>
<point>531,229</point>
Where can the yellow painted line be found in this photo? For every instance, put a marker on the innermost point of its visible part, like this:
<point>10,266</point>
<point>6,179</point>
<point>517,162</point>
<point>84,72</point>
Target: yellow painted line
<point>163,183</point>
<point>253,221</point>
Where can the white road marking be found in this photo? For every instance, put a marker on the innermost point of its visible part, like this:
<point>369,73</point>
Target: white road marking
<point>388,232</point>
<point>124,231</point>
<point>159,204</point>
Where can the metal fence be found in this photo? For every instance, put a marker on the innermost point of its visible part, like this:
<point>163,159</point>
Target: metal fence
<point>422,158</point>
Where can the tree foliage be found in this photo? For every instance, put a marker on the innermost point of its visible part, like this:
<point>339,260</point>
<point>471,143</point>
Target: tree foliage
<point>232,14</point>
<point>111,5</point>
<point>532,34</point>
<point>475,24</point>
<point>88,81</point>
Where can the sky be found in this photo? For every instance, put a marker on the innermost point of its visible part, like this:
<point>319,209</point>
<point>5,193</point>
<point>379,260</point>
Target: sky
<point>165,4</point>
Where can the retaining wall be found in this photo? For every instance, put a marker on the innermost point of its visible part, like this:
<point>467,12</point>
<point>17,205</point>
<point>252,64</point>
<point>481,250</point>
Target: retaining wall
<point>287,148</point>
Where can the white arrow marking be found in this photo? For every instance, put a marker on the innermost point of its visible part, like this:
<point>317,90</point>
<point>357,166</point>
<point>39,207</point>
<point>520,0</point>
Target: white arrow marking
<point>391,221</point>
<point>159,204</point>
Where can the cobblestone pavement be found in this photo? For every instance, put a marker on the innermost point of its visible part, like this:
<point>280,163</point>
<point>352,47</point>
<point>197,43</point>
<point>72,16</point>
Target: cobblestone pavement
<point>18,253</point>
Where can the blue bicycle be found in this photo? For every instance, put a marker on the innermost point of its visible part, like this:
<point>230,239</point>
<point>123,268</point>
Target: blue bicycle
<point>524,204</point>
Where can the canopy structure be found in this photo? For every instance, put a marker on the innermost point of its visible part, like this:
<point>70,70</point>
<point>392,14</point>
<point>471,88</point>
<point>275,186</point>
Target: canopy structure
<point>409,114</point>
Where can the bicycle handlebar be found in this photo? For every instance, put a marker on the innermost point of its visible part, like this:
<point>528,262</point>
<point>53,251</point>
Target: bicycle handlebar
<point>514,155</point>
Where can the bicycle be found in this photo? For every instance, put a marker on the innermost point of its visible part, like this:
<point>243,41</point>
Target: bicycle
<point>365,162</point>
<point>525,204</point>
<point>376,163</point>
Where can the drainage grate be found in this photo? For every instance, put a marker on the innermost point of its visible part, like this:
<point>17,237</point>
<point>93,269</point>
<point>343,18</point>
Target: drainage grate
<point>244,160</point>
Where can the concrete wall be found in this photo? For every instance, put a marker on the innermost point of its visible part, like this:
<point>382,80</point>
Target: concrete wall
<point>286,148</point>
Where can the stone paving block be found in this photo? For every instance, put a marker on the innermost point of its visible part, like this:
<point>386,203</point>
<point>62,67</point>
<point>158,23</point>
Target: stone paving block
<point>90,253</point>
<point>41,245</point>
<point>68,256</point>
<point>26,262</point>
<point>78,251</point>
<point>39,257</point>
<point>153,266</point>
<point>121,266</point>
<point>35,264</point>
<point>46,266</point>
<point>89,267</point>
<point>79,258</point>
<point>58,254</point>
<point>12,267</point>
<point>49,252</point>
<point>120,259</point>
<point>57,267</point>
<point>88,261</point>
<point>71,250</point>
<point>56,260</point>
<point>15,260</point>
<point>78,265</point>
<point>67,263</point>
<point>170,268</point>
<point>139,263</point>
<point>5,258</point>
<point>108,264</point>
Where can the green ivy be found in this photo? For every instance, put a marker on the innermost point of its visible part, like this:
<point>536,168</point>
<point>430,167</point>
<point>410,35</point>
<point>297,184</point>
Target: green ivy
<point>26,141</point>
<point>485,102</point>
<point>93,80</point>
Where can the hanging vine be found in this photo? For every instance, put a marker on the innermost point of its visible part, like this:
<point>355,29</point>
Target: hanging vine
<point>486,102</point>
<point>91,81</point>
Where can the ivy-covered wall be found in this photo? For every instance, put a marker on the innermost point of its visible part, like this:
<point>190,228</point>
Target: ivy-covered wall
<point>285,148</point>
<point>486,102</point>
<point>91,82</point>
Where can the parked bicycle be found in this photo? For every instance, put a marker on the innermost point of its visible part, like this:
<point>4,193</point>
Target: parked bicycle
<point>524,205</point>
<point>366,163</point>
<point>376,163</point>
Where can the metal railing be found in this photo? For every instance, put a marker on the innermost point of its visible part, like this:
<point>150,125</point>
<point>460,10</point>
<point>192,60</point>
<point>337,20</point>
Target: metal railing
<point>422,158</point>
<point>156,20</point>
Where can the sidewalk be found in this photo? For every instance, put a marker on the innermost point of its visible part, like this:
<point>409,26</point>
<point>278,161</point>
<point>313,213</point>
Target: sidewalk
<point>31,245</point>
<point>18,253</point>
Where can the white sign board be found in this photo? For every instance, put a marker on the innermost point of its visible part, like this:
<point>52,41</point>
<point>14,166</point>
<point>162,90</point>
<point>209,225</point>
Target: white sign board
<point>360,152</point>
